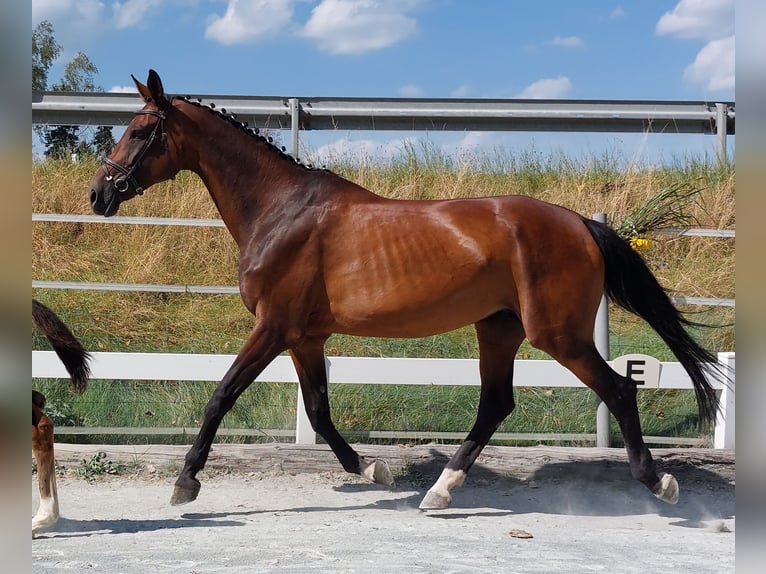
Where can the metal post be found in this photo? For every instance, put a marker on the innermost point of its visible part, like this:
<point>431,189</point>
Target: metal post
<point>601,338</point>
<point>720,124</point>
<point>295,117</point>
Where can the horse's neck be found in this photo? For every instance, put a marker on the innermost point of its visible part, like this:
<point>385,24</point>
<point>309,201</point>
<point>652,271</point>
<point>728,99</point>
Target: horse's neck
<point>250,184</point>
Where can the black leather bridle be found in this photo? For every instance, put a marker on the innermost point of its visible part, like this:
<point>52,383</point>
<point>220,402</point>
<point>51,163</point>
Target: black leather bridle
<point>126,175</point>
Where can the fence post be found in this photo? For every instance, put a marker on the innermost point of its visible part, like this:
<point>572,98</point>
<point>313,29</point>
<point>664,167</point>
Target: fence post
<point>601,338</point>
<point>724,419</point>
<point>721,125</point>
<point>295,118</point>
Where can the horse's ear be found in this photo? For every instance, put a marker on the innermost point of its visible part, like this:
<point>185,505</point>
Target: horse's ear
<point>152,91</point>
<point>142,89</point>
<point>155,87</point>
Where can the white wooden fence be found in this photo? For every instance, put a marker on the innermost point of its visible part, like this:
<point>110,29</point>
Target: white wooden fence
<point>374,371</point>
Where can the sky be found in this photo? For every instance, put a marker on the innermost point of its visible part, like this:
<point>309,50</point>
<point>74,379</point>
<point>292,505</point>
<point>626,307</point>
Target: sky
<point>600,49</point>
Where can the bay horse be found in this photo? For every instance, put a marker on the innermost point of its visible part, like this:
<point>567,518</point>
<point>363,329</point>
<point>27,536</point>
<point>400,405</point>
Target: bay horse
<point>319,254</point>
<point>75,359</point>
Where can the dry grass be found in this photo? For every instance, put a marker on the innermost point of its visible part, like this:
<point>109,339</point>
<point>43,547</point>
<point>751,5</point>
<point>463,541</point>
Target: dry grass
<point>208,256</point>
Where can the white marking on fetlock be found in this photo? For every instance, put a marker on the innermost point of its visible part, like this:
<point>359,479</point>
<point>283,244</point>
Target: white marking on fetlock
<point>438,495</point>
<point>47,514</point>
<point>379,473</point>
<point>668,489</point>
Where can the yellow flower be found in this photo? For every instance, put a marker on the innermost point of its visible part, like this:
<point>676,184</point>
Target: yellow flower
<point>639,243</point>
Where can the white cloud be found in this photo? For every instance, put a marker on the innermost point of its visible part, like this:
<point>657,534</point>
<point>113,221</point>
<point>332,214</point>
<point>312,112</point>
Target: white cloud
<point>132,12</point>
<point>705,19</point>
<point>471,142</point>
<point>714,65</point>
<point>76,23</point>
<point>568,42</point>
<point>66,10</point>
<point>617,14</point>
<point>359,151</point>
<point>463,91</point>
<point>248,21</point>
<point>712,21</point>
<point>411,91</point>
<point>359,26</point>
<point>547,88</point>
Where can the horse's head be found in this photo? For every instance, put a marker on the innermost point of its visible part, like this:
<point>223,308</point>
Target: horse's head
<point>141,158</point>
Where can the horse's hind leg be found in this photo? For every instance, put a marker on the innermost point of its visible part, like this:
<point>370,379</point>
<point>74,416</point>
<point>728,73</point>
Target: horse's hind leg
<point>619,394</point>
<point>309,361</point>
<point>499,337</point>
<point>42,447</point>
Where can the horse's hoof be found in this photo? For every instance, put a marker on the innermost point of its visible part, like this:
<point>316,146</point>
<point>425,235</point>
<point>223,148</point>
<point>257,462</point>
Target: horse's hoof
<point>435,501</point>
<point>667,489</point>
<point>40,523</point>
<point>182,495</point>
<point>379,473</point>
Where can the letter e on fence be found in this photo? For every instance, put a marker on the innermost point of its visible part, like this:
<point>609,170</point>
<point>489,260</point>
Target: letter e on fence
<point>643,369</point>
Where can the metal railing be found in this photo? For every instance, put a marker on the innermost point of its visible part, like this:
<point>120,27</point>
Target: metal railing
<point>445,114</point>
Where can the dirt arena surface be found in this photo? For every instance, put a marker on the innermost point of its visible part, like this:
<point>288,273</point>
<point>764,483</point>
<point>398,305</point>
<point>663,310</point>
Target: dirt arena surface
<point>284,508</point>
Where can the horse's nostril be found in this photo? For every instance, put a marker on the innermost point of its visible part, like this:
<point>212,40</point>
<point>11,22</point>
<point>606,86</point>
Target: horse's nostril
<point>93,196</point>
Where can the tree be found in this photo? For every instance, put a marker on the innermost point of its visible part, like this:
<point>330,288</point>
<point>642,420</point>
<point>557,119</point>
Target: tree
<point>79,74</point>
<point>45,50</point>
<point>103,141</point>
<point>60,141</point>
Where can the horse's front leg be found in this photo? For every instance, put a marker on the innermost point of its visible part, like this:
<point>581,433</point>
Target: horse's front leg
<point>261,347</point>
<point>309,361</point>
<point>42,446</point>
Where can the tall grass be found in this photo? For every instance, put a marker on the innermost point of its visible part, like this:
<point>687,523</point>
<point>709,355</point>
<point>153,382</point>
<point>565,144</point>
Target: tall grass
<point>109,321</point>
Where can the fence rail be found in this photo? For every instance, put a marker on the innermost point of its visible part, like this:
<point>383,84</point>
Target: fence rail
<point>446,114</point>
<point>212,222</point>
<point>371,371</point>
<point>233,290</point>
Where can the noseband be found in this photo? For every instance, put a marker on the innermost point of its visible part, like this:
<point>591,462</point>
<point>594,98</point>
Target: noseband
<point>127,178</point>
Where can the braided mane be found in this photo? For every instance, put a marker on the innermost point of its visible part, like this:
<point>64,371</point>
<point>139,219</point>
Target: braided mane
<point>251,131</point>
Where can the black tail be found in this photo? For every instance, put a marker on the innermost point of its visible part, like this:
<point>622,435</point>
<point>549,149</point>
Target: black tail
<point>631,285</point>
<point>66,345</point>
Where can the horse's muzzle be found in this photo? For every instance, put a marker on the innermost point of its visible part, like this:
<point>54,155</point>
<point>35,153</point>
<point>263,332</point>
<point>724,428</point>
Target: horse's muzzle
<point>104,203</point>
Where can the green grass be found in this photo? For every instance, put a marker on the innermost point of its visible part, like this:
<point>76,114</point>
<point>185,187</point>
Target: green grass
<point>192,323</point>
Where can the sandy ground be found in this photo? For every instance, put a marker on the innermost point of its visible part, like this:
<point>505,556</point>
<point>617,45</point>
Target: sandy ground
<point>582,517</point>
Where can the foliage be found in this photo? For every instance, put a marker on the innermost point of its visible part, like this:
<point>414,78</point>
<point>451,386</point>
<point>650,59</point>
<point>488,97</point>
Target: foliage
<point>45,50</point>
<point>98,465</point>
<point>668,208</point>
<point>103,141</point>
<point>60,141</point>
<point>79,76</point>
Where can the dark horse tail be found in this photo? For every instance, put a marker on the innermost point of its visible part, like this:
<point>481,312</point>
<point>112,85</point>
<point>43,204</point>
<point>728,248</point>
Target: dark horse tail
<point>66,345</point>
<point>630,284</point>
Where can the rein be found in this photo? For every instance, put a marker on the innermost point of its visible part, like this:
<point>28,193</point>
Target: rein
<point>121,184</point>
